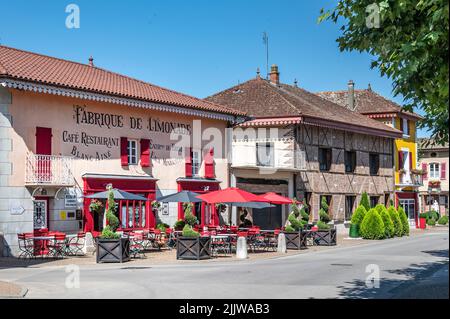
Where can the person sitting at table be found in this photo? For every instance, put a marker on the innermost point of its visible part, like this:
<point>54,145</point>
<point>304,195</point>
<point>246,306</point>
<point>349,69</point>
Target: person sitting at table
<point>245,222</point>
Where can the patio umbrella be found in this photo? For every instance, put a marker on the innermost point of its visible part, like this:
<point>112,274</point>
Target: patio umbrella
<point>230,195</point>
<point>256,205</point>
<point>180,197</point>
<point>274,198</point>
<point>118,195</point>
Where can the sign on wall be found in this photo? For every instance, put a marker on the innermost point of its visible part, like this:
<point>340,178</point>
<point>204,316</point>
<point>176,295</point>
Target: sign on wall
<point>70,201</point>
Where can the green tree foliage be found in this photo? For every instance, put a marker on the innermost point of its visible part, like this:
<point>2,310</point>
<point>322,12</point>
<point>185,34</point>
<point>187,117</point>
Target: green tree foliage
<point>372,226</point>
<point>109,231</point>
<point>189,218</point>
<point>365,201</point>
<point>296,219</point>
<point>443,220</point>
<point>188,231</point>
<point>389,228</point>
<point>396,221</point>
<point>358,215</point>
<point>404,220</point>
<point>409,41</point>
<point>324,215</point>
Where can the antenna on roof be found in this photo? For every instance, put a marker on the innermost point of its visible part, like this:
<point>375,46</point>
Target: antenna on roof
<point>266,43</point>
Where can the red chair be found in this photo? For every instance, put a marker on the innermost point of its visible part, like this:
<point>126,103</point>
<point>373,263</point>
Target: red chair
<point>26,245</point>
<point>76,244</point>
<point>242,234</point>
<point>57,245</point>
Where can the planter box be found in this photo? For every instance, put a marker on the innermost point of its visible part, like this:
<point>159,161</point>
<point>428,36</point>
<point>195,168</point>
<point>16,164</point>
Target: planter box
<point>324,237</point>
<point>296,240</point>
<point>113,250</point>
<point>193,248</point>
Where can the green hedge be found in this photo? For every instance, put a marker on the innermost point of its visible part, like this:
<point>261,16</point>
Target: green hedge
<point>358,215</point>
<point>365,201</point>
<point>372,226</point>
<point>443,220</point>
<point>389,229</point>
<point>404,220</point>
<point>396,221</point>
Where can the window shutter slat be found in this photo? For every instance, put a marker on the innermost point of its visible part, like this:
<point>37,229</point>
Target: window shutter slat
<point>425,171</point>
<point>209,164</point>
<point>145,153</point>
<point>124,151</point>
<point>443,170</point>
<point>400,160</point>
<point>188,162</point>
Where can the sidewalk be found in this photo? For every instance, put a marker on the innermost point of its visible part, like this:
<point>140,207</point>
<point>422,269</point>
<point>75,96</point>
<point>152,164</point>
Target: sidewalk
<point>169,256</point>
<point>11,290</point>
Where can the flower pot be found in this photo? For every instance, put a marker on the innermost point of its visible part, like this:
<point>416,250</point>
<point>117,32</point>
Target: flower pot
<point>354,231</point>
<point>296,240</point>
<point>324,237</point>
<point>422,223</point>
<point>192,248</point>
<point>113,250</point>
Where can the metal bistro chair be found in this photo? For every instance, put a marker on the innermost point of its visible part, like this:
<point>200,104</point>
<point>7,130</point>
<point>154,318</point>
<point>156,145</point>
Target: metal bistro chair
<point>221,245</point>
<point>57,245</point>
<point>137,245</point>
<point>75,245</point>
<point>26,245</point>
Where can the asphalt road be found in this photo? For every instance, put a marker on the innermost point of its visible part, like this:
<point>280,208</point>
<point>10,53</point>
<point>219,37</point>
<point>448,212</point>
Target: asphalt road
<point>415,267</point>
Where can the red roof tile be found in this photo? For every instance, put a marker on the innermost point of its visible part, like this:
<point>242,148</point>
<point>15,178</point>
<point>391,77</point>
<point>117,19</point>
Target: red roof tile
<point>28,66</point>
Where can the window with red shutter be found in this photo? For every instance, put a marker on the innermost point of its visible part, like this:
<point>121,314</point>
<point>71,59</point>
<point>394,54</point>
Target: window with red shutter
<point>443,170</point>
<point>425,170</point>
<point>188,162</point>
<point>401,163</point>
<point>209,164</point>
<point>124,151</point>
<point>145,153</point>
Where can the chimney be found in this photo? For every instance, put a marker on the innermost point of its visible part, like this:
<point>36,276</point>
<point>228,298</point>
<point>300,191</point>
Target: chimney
<point>91,61</point>
<point>274,75</point>
<point>351,95</point>
<point>258,73</point>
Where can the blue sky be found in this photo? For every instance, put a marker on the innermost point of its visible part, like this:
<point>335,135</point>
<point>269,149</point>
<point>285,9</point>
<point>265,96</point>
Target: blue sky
<point>198,47</point>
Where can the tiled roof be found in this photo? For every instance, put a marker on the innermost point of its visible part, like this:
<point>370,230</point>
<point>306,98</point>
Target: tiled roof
<point>273,121</point>
<point>27,66</point>
<point>367,102</point>
<point>430,144</point>
<point>260,98</point>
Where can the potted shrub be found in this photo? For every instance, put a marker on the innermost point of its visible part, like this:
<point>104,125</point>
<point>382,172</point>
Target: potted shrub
<point>325,235</point>
<point>357,218</point>
<point>443,221</point>
<point>111,247</point>
<point>422,220</point>
<point>372,226</point>
<point>389,229</point>
<point>190,245</point>
<point>293,232</point>
<point>395,217</point>
<point>179,225</point>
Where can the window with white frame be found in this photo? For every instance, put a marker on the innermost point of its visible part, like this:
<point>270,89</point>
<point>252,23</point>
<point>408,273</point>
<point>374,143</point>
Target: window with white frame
<point>132,152</point>
<point>196,162</point>
<point>434,170</point>
<point>405,126</point>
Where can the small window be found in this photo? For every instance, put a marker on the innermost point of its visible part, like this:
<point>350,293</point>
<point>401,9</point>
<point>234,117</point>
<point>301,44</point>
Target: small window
<point>132,152</point>
<point>196,163</point>
<point>374,200</point>
<point>350,161</point>
<point>434,170</point>
<point>434,154</point>
<point>374,163</point>
<point>265,154</point>
<point>325,159</point>
<point>405,127</point>
<point>349,203</point>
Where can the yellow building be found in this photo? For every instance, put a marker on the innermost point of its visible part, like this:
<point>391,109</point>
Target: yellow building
<point>408,177</point>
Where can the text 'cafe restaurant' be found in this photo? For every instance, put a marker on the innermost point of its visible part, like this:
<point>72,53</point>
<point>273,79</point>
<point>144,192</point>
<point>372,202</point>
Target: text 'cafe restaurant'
<point>67,130</point>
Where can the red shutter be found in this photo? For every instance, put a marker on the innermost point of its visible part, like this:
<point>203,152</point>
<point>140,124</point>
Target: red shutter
<point>188,163</point>
<point>43,141</point>
<point>145,153</point>
<point>400,160</point>
<point>425,170</point>
<point>124,151</point>
<point>443,172</point>
<point>209,164</point>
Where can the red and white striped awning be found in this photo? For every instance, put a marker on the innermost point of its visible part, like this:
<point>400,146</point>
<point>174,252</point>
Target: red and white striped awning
<point>273,121</point>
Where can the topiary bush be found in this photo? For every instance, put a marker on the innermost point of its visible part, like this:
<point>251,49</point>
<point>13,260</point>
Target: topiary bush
<point>396,221</point>
<point>389,229</point>
<point>109,231</point>
<point>358,215</point>
<point>188,231</point>
<point>443,220</point>
<point>189,218</point>
<point>365,201</point>
<point>322,225</point>
<point>405,221</point>
<point>295,224</point>
<point>372,226</point>
<point>324,215</point>
<point>431,222</point>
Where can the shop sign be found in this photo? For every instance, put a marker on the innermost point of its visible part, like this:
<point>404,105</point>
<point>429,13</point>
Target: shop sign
<point>70,200</point>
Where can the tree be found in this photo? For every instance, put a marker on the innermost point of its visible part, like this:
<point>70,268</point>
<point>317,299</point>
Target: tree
<point>372,226</point>
<point>389,228</point>
<point>396,221</point>
<point>365,201</point>
<point>409,41</point>
<point>404,220</point>
<point>358,215</point>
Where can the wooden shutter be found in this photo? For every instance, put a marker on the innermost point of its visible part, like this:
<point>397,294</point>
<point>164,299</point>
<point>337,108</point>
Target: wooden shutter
<point>124,151</point>
<point>443,170</point>
<point>400,160</point>
<point>43,141</point>
<point>145,153</point>
<point>188,162</point>
<point>209,164</point>
<point>425,170</point>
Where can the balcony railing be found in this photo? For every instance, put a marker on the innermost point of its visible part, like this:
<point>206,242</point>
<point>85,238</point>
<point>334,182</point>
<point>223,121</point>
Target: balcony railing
<point>410,179</point>
<point>49,170</point>
<point>275,158</point>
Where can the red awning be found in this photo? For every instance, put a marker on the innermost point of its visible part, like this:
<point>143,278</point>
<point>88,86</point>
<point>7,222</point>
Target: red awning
<point>274,198</point>
<point>230,195</point>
